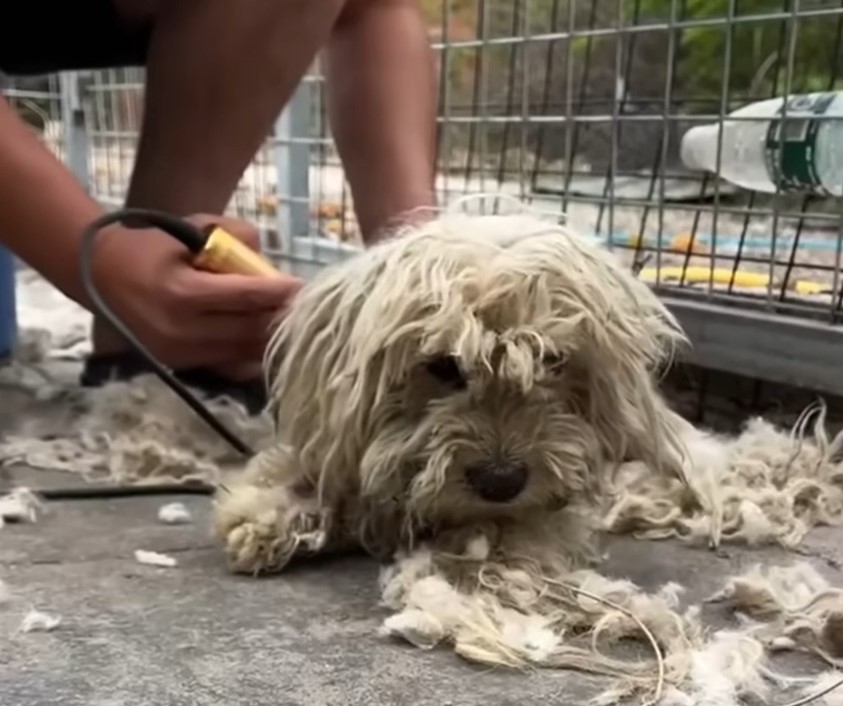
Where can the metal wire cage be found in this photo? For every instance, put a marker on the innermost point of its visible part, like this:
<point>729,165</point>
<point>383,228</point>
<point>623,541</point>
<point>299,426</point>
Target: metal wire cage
<point>579,109</point>
<point>40,103</point>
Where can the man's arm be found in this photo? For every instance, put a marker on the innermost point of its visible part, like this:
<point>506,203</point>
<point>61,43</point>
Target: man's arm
<point>187,318</point>
<point>43,208</point>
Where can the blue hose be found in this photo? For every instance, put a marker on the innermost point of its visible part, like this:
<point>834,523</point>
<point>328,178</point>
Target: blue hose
<point>8,304</point>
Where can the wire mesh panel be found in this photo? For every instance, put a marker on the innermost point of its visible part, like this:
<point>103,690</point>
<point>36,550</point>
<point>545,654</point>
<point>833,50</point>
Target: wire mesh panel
<point>113,113</point>
<point>39,102</point>
<point>583,106</point>
<point>113,117</point>
<point>580,108</point>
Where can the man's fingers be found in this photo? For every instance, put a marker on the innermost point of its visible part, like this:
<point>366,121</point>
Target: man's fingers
<point>242,230</point>
<point>230,330</point>
<point>219,342</point>
<point>239,372</point>
<point>211,292</point>
<point>238,332</point>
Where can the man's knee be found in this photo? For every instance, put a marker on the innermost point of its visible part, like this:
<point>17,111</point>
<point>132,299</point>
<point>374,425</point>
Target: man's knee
<point>147,11</point>
<point>140,11</point>
<point>354,9</point>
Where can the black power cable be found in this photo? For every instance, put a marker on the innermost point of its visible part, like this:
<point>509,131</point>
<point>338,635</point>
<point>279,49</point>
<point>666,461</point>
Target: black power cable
<point>193,239</point>
<point>123,490</point>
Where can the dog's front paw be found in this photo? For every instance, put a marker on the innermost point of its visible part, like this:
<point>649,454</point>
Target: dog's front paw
<point>264,528</point>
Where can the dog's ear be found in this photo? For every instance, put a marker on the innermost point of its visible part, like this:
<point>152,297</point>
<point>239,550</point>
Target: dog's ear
<point>628,338</point>
<point>314,372</point>
<point>628,414</point>
<point>626,407</point>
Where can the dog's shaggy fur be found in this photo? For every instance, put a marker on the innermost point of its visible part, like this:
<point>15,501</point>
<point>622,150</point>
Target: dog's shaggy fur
<point>477,369</point>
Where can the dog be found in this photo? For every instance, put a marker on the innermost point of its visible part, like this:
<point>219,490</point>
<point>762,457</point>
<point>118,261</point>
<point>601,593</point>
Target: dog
<point>472,370</point>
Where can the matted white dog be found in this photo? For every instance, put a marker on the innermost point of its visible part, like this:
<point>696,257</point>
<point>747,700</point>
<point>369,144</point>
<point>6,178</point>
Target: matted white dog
<point>475,402</point>
<point>471,371</point>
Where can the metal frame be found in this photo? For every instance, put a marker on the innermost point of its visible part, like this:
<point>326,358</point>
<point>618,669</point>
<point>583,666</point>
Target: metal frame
<point>75,133</point>
<point>760,345</point>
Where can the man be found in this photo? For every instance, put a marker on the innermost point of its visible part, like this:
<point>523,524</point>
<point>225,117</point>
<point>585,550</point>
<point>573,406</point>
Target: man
<point>218,74</point>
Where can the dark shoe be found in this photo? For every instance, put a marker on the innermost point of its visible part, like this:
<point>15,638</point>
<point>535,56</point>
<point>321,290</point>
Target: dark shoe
<point>113,367</point>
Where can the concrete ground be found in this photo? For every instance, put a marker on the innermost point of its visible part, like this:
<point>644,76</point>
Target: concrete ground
<point>196,635</point>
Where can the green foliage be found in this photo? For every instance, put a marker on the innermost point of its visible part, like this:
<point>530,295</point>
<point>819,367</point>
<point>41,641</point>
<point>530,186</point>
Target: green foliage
<point>757,67</point>
<point>760,51</point>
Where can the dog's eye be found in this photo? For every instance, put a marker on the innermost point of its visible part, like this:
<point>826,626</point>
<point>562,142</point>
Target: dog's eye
<point>446,369</point>
<point>555,363</point>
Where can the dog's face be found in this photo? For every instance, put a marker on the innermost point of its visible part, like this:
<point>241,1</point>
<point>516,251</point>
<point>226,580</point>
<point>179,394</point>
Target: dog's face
<point>473,368</point>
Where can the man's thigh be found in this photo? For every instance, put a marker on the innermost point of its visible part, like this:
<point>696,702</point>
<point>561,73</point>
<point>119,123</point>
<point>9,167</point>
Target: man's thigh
<point>71,35</point>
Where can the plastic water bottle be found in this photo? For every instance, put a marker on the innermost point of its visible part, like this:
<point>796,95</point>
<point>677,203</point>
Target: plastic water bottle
<point>802,152</point>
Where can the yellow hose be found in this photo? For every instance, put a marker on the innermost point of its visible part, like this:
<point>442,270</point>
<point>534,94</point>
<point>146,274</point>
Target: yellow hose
<point>724,275</point>
<point>805,286</point>
<point>719,275</point>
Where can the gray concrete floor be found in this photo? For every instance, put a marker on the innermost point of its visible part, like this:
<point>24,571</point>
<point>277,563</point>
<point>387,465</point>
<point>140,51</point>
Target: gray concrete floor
<point>194,635</point>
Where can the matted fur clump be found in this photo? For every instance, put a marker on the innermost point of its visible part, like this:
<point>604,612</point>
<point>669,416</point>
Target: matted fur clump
<point>763,487</point>
<point>125,431</point>
<point>475,400</point>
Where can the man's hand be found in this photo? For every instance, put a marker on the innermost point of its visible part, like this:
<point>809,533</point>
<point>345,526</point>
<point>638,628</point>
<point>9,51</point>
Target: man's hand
<point>186,317</point>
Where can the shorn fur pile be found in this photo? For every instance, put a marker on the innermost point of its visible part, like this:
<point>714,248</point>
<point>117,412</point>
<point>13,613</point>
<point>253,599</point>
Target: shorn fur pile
<point>124,432</point>
<point>466,401</point>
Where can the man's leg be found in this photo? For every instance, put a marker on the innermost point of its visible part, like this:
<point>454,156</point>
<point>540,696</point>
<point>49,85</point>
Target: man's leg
<point>382,100</point>
<point>218,73</point>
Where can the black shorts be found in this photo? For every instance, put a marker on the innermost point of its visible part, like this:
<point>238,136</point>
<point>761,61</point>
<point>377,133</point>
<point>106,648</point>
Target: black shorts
<point>70,35</point>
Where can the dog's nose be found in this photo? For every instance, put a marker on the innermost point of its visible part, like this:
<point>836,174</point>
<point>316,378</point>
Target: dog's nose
<point>497,481</point>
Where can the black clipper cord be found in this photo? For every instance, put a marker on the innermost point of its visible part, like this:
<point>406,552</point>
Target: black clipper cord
<point>194,240</point>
